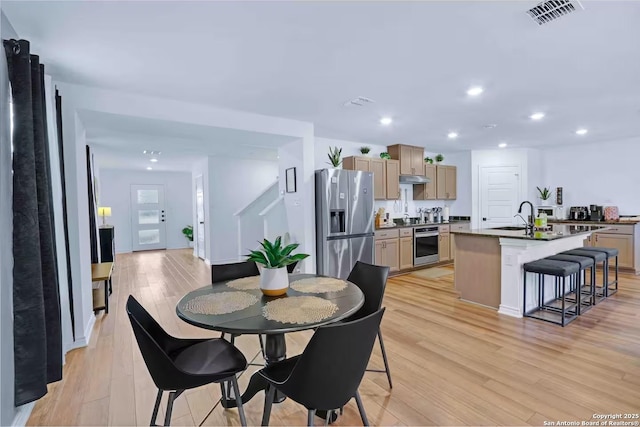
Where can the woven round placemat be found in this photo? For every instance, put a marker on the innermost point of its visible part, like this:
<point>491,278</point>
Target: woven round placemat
<point>299,310</point>
<point>220,303</point>
<point>245,283</point>
<point>318,285</point>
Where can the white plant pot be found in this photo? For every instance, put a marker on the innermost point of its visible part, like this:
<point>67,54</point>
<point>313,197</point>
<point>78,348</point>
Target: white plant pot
<point>274,281</point>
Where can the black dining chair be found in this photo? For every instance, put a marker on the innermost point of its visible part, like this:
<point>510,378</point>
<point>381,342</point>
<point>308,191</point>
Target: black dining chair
<point>328,372</point>
<point>178,364</point>
<point>372,281</point>
<point>233,271</point>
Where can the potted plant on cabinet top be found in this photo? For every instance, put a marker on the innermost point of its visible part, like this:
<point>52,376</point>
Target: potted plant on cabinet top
<point>188,234</point>
<point>428,160</point>
<point>544,193</point>
<point>365,150</point>
<point>439,158</point>
<point>385,155</point>
<point>274,278</point>
<point>334,156</point>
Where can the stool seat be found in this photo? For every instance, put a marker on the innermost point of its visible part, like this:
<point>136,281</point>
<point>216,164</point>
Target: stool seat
<point>611,252</point>
<point>585,262</point>
<point>597,256</point>
<point>552,267</point>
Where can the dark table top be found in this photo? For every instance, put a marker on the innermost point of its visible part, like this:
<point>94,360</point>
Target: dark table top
<point>251,321</point>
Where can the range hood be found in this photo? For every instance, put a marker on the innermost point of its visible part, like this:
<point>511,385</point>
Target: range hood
<point>414,179</point>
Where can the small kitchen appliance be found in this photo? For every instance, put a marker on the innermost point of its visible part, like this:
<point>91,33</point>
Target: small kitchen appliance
<point>579,213</point>
<point>596,213</point>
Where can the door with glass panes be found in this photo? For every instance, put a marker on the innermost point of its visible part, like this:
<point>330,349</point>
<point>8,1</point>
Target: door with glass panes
<point>148,217</point>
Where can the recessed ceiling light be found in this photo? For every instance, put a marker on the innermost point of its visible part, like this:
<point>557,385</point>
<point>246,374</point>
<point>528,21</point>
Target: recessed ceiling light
<point>386,121</point>
<point>536,116</point>
<point>144,152</point>
<point>149,168</point>
<point>452,135</point>
<point>582,131</point>
<point>475,91</point>
<point>153,160</point>
<point>502,144</point>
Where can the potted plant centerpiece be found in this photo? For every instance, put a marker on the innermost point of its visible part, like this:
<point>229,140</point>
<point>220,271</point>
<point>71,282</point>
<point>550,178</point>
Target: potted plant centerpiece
<point>274,279</point>
<point>188,234</point>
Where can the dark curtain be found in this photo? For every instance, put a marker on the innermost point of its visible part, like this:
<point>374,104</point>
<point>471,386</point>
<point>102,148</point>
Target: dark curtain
<point>36,302</point>
<point>64,209</point>
<point>93,225</point>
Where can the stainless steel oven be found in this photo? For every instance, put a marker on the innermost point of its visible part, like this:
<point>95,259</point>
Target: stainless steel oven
<point>425,245</point>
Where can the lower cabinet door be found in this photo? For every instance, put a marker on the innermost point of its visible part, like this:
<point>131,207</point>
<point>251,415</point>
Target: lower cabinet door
<point>622,242</point>
<point>452,247</point>
<point>406,253</point>
<point>443,247</point>
<point>379,252</point>
<point>392,252</point>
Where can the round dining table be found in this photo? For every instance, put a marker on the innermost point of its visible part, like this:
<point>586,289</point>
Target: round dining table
<point>251,320</point>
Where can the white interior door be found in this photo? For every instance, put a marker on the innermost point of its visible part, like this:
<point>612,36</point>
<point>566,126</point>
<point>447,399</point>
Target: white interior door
<point>148,230</point>
<point>199,226</point>
<point>499,196</point>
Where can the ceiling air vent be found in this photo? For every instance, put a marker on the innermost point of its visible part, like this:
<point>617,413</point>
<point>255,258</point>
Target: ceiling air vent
<point>551,10</point>
<point>358,102</point>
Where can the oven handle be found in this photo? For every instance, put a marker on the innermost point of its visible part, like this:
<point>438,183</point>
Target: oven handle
<point>418,235</point>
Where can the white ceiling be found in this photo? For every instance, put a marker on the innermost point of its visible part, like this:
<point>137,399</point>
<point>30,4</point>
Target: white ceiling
<point>302,60</point>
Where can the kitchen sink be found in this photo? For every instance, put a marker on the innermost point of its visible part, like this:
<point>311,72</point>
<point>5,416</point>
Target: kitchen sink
<point>509,227</point>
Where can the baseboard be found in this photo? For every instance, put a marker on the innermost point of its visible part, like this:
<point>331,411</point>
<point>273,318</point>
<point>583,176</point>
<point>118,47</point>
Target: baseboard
<point>22,414</point>
<point>206,261</point>
<point>509,311</point>
<point>84,341</point>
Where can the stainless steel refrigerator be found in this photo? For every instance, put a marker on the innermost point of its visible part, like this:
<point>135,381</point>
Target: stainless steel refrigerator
<point>344,220</point>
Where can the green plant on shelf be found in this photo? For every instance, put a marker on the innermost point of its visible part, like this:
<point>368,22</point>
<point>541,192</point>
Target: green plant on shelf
<point>385,155</point>
<point>188,232</point>
<point>439,158</point>
<point>545,193</point>
<point>428,160</point>
<point>334,156</point>
<point>365,150</point>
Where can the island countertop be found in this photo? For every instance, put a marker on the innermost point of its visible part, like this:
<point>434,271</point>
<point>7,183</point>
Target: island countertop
<point>556,231</point>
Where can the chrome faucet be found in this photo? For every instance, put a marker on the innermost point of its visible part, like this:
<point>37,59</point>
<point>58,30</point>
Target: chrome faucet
<point>529,226</point>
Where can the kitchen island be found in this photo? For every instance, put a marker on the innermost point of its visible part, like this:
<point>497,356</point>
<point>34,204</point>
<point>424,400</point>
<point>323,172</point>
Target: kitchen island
<point>488,265</point>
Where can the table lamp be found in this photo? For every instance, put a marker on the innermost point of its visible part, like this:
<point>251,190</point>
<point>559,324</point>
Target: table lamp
<point>104,211</point>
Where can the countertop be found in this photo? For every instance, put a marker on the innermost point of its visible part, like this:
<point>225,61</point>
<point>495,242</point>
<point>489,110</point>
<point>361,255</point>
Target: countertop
<point>574,221</point>
<point>425,224</point>
<point>557,231</point>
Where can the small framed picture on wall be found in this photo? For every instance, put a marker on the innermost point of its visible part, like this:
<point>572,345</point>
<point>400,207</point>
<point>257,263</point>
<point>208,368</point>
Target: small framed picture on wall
<point>290,176</point>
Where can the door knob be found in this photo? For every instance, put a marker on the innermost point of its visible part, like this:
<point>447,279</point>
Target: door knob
<point>201,222</point>
<point>484,219</point>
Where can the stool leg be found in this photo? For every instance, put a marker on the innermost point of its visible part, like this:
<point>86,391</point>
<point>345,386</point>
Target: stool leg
<point>524,296</point>
<point>564,279</point>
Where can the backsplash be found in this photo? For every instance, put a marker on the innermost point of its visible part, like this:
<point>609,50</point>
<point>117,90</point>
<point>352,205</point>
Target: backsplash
<point>395,208</point>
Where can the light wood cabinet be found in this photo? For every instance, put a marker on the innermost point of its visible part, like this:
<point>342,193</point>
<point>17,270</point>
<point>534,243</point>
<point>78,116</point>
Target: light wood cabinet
<point>622,242</point>
<point>378,167</point>
<point>387,249</point>
<point>406,252</point>
<point>452,241</point>
<point>411,158</point>
<point>393,179</point>
<point>444,243</point>
<point>446,182</point>
<point>426,191</point>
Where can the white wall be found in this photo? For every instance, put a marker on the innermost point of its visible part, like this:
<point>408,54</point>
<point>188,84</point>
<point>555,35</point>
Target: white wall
<point>7,408</point>
<point>115,192</point>
<point>601,174</point>
<point>233,183</point>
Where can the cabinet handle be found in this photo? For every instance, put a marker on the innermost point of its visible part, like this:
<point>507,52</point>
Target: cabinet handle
<point>596,237</point>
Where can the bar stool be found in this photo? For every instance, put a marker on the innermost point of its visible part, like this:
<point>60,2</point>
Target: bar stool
<point>597,256</point>
<point>548,310</point>
<point>583,290</point>
<point>612,287</point>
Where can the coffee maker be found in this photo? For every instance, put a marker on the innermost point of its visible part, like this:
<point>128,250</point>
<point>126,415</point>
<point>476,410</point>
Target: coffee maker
<point>579,213</point>
<point>596,213</point>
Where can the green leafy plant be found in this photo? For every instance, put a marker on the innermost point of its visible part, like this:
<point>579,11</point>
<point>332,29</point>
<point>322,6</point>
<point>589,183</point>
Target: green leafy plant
<point>545,193</point>
<point>428,160</point>
<point>188,232</point>
<point>365,150</point>
<point>273,255</point>
<point>385,155</point>
<point>439,158</point>
<point>334,156</point>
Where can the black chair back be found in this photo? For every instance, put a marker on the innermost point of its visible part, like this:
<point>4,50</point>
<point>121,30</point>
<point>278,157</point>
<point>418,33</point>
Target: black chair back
<point>372,280</point>
<point>236,270</point>
<point>154,344</point>
<point>330,369</point>
<point>291,267</point>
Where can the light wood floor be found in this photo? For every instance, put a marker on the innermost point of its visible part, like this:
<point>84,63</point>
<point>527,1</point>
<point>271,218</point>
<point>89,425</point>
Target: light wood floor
<point>453,363</point>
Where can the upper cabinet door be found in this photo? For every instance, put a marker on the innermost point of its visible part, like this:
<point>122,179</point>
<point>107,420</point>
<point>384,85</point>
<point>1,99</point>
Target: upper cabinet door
<point>393,179</point>
<point>430,187</point>
<point>417,161</point>
<point>451,182</point>
<point>406,164</point>
<point>379,169</point>
<point>362,164</point>
<point>441,182</point>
